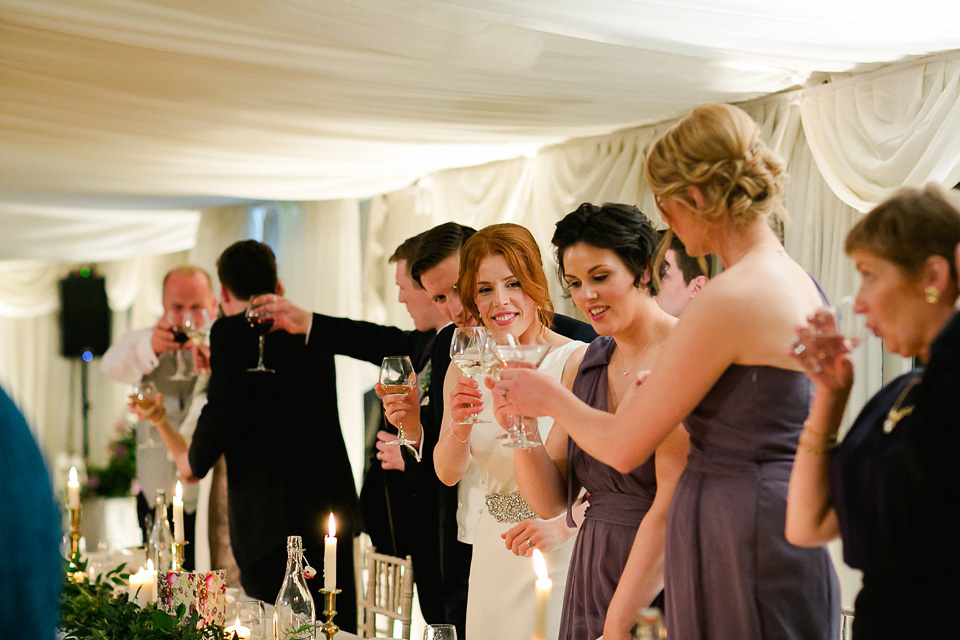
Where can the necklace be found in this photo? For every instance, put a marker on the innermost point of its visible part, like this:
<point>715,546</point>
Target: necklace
<point>655,332</point>
<point>896,414</point>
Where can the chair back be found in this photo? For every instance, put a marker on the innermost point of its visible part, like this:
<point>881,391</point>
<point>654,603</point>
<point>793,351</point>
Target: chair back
<point>388,593</point>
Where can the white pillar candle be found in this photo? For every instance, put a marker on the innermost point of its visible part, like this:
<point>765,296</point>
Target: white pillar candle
<point>543,587</point>
<point>178,514</point>
<point>330,556</point>
<point>143,585</point>
<point>73,490</point>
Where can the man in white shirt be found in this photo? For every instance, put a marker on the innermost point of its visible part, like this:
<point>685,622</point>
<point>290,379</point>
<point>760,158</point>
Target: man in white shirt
<point>151,355</point>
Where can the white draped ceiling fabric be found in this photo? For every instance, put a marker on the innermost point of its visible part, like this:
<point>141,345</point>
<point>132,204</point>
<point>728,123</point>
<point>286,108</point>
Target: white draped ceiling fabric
<point>132,131</point>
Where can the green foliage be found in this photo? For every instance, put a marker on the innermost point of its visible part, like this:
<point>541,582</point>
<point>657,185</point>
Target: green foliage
<point>114,479</point>
<point>101,610</point>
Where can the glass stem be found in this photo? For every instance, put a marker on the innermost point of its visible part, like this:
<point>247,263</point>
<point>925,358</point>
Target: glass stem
<point>260,359</point>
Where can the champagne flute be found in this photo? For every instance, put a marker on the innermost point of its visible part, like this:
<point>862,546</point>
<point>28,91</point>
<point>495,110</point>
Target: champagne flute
<point>398,377</point>
<point>467,349</point>
<point>175,318</point>
<point>261,322</point>
<point>527,356</point>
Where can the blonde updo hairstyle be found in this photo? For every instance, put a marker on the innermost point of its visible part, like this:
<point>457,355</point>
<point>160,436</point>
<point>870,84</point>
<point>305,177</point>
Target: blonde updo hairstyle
<point>718,149</point>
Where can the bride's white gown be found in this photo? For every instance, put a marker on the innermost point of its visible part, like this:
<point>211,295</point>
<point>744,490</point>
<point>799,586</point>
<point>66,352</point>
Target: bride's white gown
<point>501,599</point>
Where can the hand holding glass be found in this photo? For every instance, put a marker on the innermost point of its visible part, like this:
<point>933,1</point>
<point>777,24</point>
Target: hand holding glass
<point>261,322</point>
<point>467,350</point>
<point>398,377</point>
<point>528,356</point>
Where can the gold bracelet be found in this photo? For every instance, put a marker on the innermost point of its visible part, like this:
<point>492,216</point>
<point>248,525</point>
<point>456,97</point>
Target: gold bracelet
<point>816,435</point>
<point>456,437</point>
<point>817,450</point>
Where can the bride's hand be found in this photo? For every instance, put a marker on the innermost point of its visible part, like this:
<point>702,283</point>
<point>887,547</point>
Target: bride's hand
<point>545,535</point>
<point>465,400</point>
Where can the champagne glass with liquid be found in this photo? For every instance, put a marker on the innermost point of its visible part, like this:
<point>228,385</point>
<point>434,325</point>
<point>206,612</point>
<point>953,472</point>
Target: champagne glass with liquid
<point>527,356</point>
<point>398,377</point>
<point>175,318</point>
<point>261,322</point>
<point>467,350</point>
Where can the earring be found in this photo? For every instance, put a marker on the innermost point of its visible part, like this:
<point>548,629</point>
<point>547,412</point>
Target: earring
<point>931,294</point>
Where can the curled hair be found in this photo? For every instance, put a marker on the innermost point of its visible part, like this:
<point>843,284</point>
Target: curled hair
<point>909,227</point>
<point>718,149</point>
<point>517,246</point>
<point>622,228</point>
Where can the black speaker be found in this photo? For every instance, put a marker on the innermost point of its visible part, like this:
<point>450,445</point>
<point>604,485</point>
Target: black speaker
<point>84,315</point>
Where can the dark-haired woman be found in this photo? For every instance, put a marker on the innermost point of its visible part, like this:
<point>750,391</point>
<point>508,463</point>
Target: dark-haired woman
<point>605,257</point>
<point>886,489</point>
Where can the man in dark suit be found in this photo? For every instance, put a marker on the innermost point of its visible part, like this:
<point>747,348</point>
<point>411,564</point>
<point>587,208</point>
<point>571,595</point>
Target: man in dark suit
<point>287,465</point>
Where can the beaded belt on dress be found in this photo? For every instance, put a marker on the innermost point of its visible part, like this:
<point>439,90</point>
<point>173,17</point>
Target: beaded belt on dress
<point>509,507</point>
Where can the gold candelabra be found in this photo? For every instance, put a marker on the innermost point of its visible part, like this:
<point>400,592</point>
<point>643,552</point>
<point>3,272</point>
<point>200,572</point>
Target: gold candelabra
<point>177,551</point>
<point>330,611</point>
<point>73,568</point>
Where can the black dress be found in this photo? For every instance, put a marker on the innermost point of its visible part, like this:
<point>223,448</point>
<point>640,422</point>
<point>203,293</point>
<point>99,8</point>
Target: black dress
<point>893,518</point>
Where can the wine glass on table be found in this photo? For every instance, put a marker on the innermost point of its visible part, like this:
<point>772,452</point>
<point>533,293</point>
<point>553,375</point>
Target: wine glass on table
<point>440,632</point>
<point>175,318</point>
<point>261,322</point>
<point>397,377</point>
<point>527,356</point>
<point>467,350</point>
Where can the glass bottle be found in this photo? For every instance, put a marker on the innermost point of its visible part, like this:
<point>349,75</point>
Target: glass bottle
<point>160,536</point>
<point>649,625</point>
<point>294,614</point>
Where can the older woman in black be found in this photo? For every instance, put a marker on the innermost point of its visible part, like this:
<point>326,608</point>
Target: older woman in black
<point>874,488</point>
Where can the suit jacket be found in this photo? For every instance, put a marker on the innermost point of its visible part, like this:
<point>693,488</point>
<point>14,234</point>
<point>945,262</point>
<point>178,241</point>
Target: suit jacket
<point>287,465</point>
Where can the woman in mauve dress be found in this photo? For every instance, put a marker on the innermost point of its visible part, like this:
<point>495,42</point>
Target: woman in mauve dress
<point>605,256</point>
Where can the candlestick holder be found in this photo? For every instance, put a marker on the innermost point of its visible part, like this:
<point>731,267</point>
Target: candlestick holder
<point>177,551</point>
<point>330,611</point>
<point>73,568</point>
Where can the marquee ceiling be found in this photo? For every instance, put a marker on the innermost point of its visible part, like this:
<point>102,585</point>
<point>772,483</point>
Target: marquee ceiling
<point>151,105</point>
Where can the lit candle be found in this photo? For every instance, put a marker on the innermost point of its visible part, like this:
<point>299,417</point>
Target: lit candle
<point>178,514</point>
<point>143,585</point>
<point>73,490</point>
<point>330,556</point>
<point>544,585</point>
<point>242,632</point>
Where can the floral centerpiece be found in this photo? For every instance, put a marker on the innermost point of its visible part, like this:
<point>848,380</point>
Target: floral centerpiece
<point>116,478</point>
<point>101,609</point>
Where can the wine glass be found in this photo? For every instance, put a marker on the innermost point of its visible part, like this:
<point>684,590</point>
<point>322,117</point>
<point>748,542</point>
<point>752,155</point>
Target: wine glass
<point>467,349</point>
<point>142,397</point>
<point>196,324</point>
<point>527,356</point>
<point>440,632</point>
<point>250,614</point>
<point>175,318</point>
<point>398,377</point>
<point>832,331</point>
<point>261,322</point>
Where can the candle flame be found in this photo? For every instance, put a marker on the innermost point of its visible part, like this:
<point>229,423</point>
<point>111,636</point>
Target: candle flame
<point>149,564</point>
<point>179,493</point>
<point>332,527</point>
<point>540,565</point>
<point>73,475</point>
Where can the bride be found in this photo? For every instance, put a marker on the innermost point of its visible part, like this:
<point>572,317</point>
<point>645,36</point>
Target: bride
<point>503,285</point>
